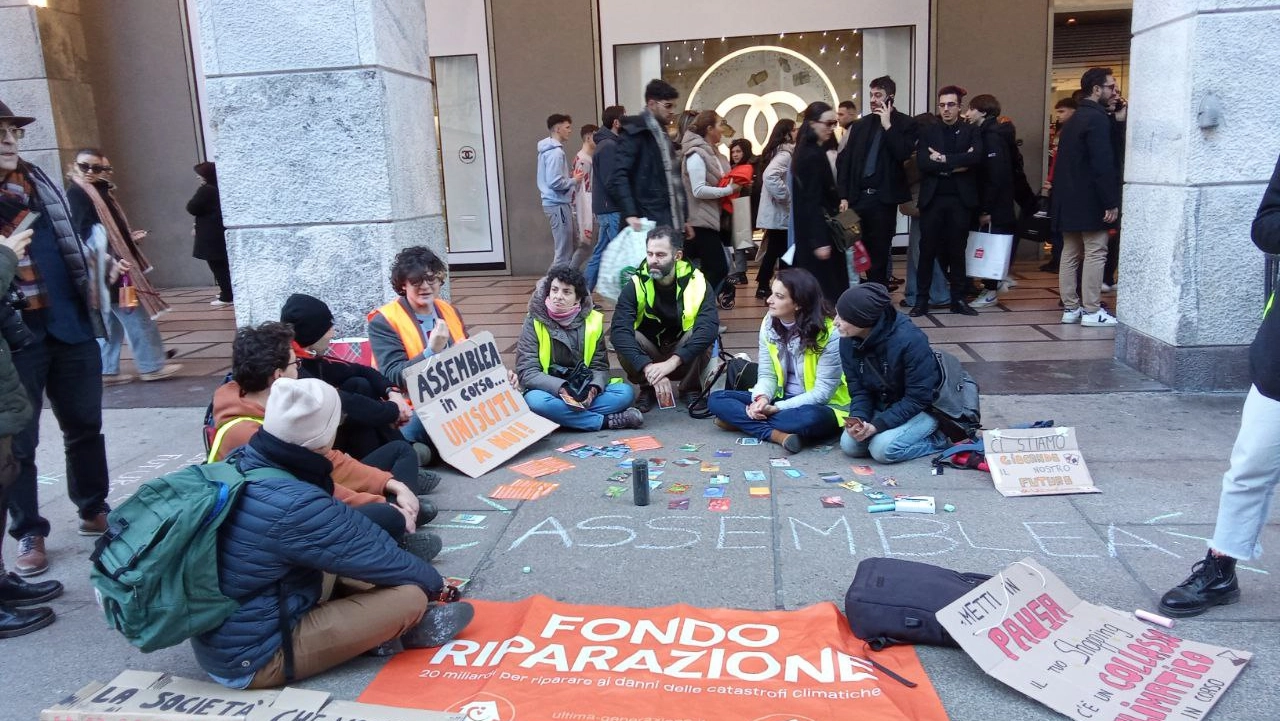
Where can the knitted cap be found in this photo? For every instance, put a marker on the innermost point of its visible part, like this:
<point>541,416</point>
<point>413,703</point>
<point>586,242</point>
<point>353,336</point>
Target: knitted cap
<point>309,316</point>
<point>303,412</point>
<point>863,304</point>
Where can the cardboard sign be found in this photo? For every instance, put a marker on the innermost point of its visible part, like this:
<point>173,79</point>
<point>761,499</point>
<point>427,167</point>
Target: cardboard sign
<point>1037,462</point>
<point>542,659</point>
<point>472,414</point>
<point>154,696</point>
<point>1026,628</point>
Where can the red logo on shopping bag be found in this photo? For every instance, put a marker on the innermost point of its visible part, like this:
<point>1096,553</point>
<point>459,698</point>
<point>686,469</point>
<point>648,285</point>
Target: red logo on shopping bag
<point>978,253</point>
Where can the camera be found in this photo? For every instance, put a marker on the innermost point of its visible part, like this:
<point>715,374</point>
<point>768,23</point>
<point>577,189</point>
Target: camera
<point>577,380</point>
<point>15,332</point>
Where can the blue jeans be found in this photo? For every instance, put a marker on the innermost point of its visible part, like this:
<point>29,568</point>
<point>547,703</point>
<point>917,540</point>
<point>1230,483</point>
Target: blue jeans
<point>812,422</point>
<point>144,339</point>
<point>939,293</point>
<point>607,227</point>
<point>913,439</point>
<point>1249,484</point>
<point>414,431</point>
<point>613,399</point>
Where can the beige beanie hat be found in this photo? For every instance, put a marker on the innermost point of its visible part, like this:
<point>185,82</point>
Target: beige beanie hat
<point>303,412</point>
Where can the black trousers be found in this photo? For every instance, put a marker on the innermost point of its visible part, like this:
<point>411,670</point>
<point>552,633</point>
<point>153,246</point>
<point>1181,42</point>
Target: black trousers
<point>879,223</point>
<point>386,516</point>
<point>775,244</point>
<point>222,276</point>
<point>399,459</point>
<point>71,375</point>
<point>944,230</point>
<point>709,249</point>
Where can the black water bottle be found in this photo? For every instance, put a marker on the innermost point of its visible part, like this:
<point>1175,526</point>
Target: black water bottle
<point>640,481</point>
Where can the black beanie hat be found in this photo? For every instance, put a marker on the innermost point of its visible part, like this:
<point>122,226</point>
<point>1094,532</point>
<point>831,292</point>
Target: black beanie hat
<point>309,316</point>
<point>863,304</point>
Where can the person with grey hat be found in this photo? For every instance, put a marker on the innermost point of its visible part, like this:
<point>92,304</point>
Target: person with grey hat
<point>62,361</point>
<point>285,533</point>
<point>892,377</point>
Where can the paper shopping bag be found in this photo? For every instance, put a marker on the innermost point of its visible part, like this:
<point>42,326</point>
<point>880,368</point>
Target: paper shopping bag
<point>987,255</point>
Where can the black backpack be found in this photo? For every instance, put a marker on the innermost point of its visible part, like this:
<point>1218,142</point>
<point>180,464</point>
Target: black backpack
<point>892,601</point>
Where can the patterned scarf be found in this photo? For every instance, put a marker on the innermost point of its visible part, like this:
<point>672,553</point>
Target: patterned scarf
<point>122,246</point>
<point>16,192</point>
<point>674,180</point>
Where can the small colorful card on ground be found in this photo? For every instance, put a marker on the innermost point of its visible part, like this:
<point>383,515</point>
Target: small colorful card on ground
<point>793,472</point>
<point>864,470</point>
<point>832,502</point>
<point>719,479</point>
<point>875,495</point>
<point>456,582</point>
<point>853,486</point>
<point>779,463</point>
<point>657,463</point>
<point>826,448</point>
<point>615,491</point>
<point>724,453</point>
<point>541,467</point>
<point>678,504</point>
<point>639,443</point>
<point>525,489</point>
<point>570,447</point>
<point>748,441</point>
<point>713,492</point>
<point>758,491</point>
<point>754,475</point>
<point>468,519</point>
<point>677,489</point>
<point>830,477</point>
<point>691,447</point>
<point>685,462</point>
<point>718,504</point>
<point>654,485</point>
<point>709,467</point>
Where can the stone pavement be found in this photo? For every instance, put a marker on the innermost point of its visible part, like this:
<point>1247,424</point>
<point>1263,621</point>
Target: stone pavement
<point>1157,456</point>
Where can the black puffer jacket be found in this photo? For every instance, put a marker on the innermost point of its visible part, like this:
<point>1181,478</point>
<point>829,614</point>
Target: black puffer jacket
<point>638,185</point>
<point>1263,357</point>
<point>892,373</point>
<point>287,531</point>
<point>50,200</point>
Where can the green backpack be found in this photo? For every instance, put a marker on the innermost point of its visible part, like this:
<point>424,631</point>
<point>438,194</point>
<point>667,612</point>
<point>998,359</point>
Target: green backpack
<point>155,570</point>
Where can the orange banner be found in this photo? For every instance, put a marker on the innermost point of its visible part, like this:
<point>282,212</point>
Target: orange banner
<point>542,659</point>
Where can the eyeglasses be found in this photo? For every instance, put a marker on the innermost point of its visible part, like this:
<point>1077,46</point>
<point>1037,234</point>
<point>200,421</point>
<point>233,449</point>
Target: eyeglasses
<point>94,168</point>
<point>427,279</point>
<point>948,105</point>
<point>828,123</point>
<point>14,131</point>
<point>1110,86</point>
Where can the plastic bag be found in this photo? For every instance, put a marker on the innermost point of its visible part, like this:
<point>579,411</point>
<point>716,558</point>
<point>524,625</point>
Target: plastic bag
<point>623,255</point>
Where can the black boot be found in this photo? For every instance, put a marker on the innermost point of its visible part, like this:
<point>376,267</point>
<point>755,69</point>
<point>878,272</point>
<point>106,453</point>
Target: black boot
<point>962,308</point>
<point>14,591</point>
<point>427,511</point>
<point>427,481</point>
<point>918,311</point>
<point>21,621</point>
<point>1212,583</point>
<point>439,625</point>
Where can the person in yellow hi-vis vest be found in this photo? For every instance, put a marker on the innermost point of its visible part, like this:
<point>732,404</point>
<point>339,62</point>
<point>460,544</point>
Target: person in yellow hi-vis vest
<point>665,323</point>
<point>799,393</point>
<point>562,361</point>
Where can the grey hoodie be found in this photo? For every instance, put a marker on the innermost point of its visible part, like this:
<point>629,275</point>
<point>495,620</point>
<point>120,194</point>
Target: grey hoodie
<point>567,345</point>
<point>555,185</point>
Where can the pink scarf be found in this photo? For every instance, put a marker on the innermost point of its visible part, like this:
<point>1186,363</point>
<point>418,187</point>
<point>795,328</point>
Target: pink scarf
<point>564,318</point>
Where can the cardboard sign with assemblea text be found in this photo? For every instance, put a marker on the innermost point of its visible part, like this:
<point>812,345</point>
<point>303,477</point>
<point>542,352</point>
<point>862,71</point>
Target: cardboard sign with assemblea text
<point>1085,661</point>
<point>472,414</point>
<point>1037,462</point>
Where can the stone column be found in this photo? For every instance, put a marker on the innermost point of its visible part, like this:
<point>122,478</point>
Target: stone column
<point>1191,280</point>
<point>42,74</point>
<point>324,136</point>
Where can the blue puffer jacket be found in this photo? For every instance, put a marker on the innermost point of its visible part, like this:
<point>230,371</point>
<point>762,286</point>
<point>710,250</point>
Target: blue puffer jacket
<point>892,373</point>
<point>288,531</point>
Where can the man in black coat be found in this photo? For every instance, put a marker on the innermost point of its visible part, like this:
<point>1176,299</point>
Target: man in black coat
<point>1085,200</point>
<point>645,181</point>
<point>608,220</point>
<point>870,177</point>
<point>1250,484</point>
<point>996,181</point>
<point>945,154</point>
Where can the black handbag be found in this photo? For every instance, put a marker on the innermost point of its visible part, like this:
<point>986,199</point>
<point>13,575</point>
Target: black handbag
<point>1037,226</point>
<point>739,375</point>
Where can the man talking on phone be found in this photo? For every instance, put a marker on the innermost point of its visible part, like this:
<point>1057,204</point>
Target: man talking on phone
<point>62,361</point>
<point>869,174</point>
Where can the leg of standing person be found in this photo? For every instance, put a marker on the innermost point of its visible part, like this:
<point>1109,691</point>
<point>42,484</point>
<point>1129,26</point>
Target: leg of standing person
<point>956,230</point>
<point>1113,258</point>
<point>109,347</point>
<point>1068,275</point>
<point>879,221</point>
<point>1095,260</point>
<point>221,269</point>
<point>711,252</point>
<point>561,222</point>
<point>75,396</point>
<point>775,244</point>
<point>32,363</point>
<point>931,244</point>
<point>606,230</point>
<point>144,338</point>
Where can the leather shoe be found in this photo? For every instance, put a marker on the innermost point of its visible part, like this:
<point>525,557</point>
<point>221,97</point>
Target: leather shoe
<point>94,526</point>
<point>439,625</point>
<point>1212,583</point>
<point>21,621</point>
<point>427,481</point>
<point>31,560</point>
<point>918,311</point>
<point>16,592</point>
<point>962,308</point>
<point>427,511</point>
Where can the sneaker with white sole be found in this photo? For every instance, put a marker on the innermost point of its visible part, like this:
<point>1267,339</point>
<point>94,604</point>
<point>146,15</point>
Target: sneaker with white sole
<point>1072,316</point>
<point>1110,288</point>
<point>986,298</point>
<point>1008,282</point>
<point>167,370</point>
<point>1101,319</point>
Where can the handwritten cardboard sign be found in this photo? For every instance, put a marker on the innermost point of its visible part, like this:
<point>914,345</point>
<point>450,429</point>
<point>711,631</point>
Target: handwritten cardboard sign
<point>1037,462</point>
<point>472,414</point>
<point>1027,629</point>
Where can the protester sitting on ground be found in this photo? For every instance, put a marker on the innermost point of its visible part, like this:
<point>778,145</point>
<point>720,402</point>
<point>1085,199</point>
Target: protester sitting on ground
<point>415,326</point>
<point>664,323</point>
<point>800,394</point>
<point>284,534</point>
<point>373,409</point>
<point>260,357</point>
<point>1249,485</point>
<point>562,360</point>
<point>892,377</point>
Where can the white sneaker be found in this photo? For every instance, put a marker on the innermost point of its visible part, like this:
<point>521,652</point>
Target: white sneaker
<point>1072,316</point>
<point>1098,320</point>
<point>1110,288</point>
<point>219,303</point>
<point>1008,282</point>
<point>988,297</point>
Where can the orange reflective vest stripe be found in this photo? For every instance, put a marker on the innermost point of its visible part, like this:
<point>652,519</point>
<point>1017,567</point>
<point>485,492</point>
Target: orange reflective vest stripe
<point>406,326</point>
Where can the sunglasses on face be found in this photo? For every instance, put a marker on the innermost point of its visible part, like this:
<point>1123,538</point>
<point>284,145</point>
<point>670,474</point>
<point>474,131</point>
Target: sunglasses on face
<point>17,133</point>
<point>94,168</point>
<point>828,123</point>
<point>426,280</point>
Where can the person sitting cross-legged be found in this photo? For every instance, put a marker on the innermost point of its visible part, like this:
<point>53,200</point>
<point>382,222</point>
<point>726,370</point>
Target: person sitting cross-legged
<point>665,322</point>
<point>800,394</point>
<point>562,361</point>
<point>892,376</point>
<point>284,533</point>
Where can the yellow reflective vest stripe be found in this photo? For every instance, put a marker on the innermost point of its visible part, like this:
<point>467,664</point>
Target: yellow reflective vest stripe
<point>593,327</point>
<point>839,401</point>
<point>689,294</point>
<point>222,433</point>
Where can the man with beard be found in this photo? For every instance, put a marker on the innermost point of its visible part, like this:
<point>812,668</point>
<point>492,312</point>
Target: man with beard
<point>665,323</point>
